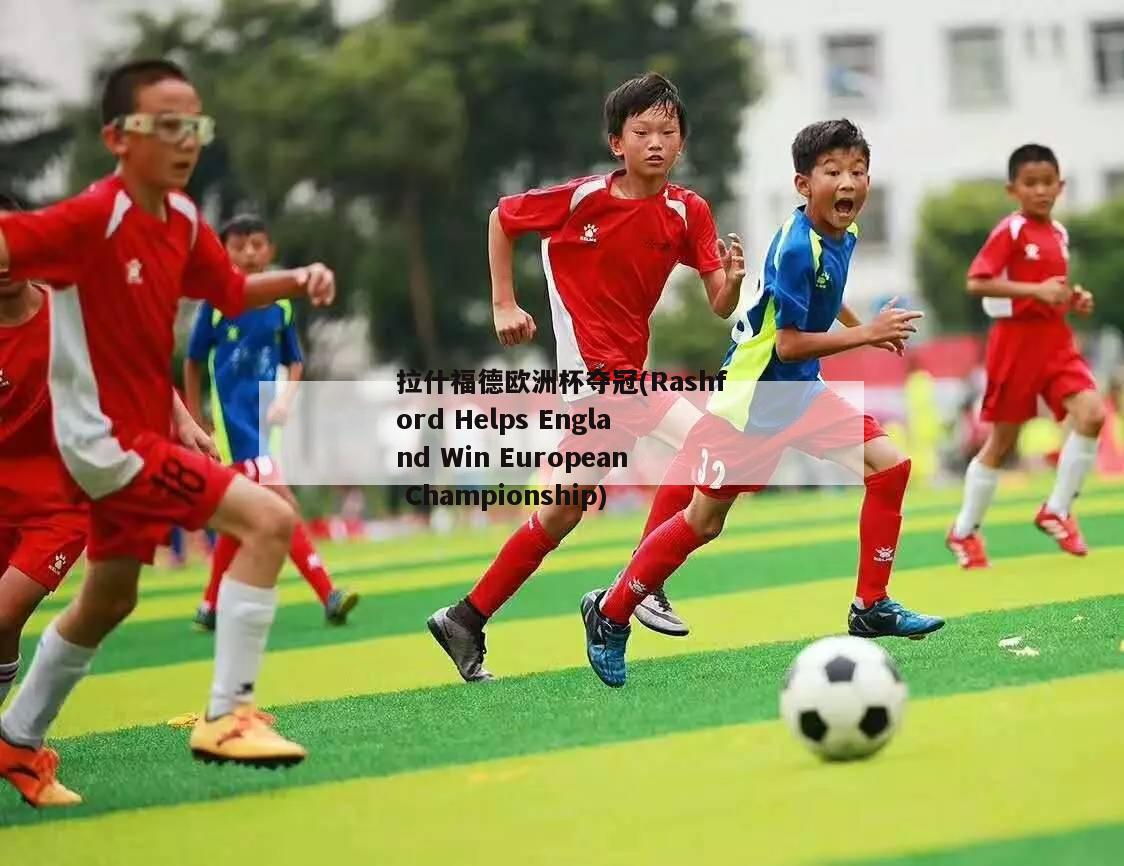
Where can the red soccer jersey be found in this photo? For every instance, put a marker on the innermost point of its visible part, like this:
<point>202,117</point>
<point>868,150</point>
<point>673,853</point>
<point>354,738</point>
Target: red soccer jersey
<point>121,272</point>
<point>32,477</point>
<point>607,260</point>
<point>1024,251</point>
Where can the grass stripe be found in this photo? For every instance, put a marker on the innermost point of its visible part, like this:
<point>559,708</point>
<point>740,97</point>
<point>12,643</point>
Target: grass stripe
<point>721,795</point>
<point>143,696</point>
<point>723,567</point>
<point>604,534</point>
<point>1090,846</point>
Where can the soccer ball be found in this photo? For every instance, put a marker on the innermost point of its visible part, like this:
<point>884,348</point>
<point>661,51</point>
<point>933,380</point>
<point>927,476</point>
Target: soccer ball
<point>843,698</point>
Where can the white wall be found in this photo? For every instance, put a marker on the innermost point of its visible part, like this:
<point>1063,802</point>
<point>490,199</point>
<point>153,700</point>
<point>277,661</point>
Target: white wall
<point>920,141</point>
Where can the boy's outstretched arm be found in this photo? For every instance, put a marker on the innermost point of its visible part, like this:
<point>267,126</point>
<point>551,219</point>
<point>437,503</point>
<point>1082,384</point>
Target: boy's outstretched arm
<point>1052,291</point>
<point>891,325</point>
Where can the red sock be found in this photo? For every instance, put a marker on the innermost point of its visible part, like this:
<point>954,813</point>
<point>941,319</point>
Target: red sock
<point>669,500</point>
<point>658,556</point>
<point>880,526</point>
<point>307,561</point>
<point>223,554</point>
<point>517,560</point>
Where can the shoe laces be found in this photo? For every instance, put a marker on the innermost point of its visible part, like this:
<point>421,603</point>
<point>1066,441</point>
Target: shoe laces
<point>660,598</point>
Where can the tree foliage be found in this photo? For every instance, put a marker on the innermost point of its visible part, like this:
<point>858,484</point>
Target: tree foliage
<point>387,143</point>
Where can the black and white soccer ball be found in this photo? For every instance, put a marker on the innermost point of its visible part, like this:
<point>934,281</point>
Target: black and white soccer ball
<point>843,698</point>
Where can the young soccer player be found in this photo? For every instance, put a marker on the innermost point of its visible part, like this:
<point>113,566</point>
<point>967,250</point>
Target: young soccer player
<point>609,244</point>
<point>42,533</point>
<point>240,353</point>
<point>42,527</point>
<point>121,254</point>
<point>773,365</point>
<point>1021,274</point>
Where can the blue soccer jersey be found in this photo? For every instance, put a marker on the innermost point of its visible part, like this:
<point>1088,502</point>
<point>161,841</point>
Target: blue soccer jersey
<point>240,354</point>
<point>801,287</point>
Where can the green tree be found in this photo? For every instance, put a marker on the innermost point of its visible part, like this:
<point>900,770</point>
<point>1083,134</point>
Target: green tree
<point>1097,248</point>
<point>27,145</point>
<point>389,143</point>
<point>954,224</point>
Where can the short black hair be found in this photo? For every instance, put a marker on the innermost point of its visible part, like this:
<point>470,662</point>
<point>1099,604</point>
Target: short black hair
<point>816,139</point>
<point>639,94</point>
<point>119,95</point>
<point>1020,156</point>
<point>242,225</point>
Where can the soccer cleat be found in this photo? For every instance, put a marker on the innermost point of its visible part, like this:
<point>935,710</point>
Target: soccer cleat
<point>33,772</point>
<point>339,604</point>
<point>605,641</point>
<point>1064,530</point>
<point>887,618</point>
<point>204,618</point>
<point>969,549</point>
<point>655,612</point>
<point>465,646</point>
<point>245,736</point>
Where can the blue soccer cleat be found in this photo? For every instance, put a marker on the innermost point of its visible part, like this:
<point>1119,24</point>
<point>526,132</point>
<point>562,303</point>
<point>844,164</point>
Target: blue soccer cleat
<point>887,618</point>
<point>605,641</point>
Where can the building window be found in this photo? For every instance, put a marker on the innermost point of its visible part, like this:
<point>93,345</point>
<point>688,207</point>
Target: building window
<point>1108,55</point>
<point>852,70</point>
<point>978,74</point>
<point>1114,183</point>
<point>874,221</point>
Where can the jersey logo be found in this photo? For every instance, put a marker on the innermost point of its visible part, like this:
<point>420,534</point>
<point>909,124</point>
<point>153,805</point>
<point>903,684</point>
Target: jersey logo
<point>822,280</point>
<point>133,272</point>
<point>5,382</point>
<point>1032,252</point>
<point>589,233</point>
<point>232,333</point>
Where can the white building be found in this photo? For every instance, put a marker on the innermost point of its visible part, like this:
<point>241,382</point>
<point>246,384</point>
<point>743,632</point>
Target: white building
<point>944,91</point>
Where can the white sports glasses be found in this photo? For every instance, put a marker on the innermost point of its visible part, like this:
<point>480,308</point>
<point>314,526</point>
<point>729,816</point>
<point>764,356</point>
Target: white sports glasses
<point>171,128</point>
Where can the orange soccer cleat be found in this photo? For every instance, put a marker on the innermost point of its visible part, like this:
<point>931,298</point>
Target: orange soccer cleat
<point>32,772</point>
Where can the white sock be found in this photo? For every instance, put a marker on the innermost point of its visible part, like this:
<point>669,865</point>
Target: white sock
<point>1078,456</point>
<point>57,668</point>
<point>8,672</point>
<point>979,489</point>
<point>245,614</point>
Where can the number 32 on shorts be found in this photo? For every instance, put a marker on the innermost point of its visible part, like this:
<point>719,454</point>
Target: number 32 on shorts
<point>708,466</point>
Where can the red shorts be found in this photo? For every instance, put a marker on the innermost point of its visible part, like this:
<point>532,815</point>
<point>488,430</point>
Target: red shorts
<point>828,424</point>
<point>44,548</point>
<point>1031,359</point>
<point>631,417</point>
<point>175,487</point>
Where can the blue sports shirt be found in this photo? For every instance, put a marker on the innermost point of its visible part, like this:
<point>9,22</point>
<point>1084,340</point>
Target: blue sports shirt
<point>241,353</point>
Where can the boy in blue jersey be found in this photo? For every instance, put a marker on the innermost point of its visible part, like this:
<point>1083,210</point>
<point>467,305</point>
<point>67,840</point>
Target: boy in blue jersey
<point>780,340</point>
<point>240,354</point>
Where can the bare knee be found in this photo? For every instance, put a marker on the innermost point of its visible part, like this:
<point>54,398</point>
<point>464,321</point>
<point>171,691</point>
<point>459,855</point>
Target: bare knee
<point>1089,419</point>
<point>706,518</point>
<point>559,520</point>
<point>271,523</point>
<point>999,444</point>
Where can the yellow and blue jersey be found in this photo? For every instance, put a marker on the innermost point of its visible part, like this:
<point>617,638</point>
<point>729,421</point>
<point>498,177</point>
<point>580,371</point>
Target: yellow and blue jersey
<point>241,353</point>
<point>801,287</point>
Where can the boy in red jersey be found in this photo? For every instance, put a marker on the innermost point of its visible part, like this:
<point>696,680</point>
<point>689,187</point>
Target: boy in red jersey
<point>42,527</point>
<point>609,244</point>
<point>121,255</point>
<point>1021,274</point>
<point>42,532</point>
